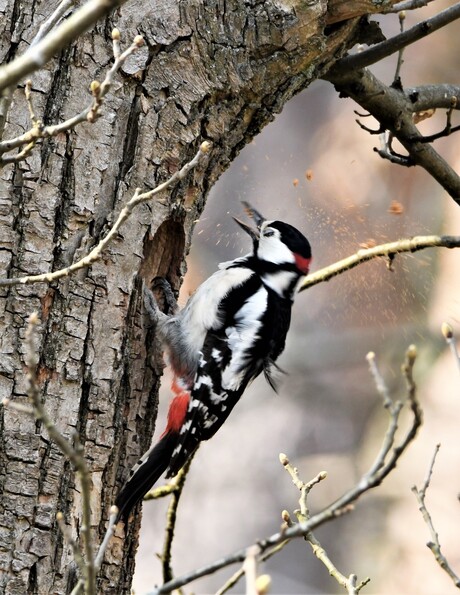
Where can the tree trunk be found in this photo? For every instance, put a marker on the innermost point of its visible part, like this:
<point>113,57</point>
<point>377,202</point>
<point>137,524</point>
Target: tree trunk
<point>210,70</point>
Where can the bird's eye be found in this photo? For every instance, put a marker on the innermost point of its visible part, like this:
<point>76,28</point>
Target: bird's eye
<point>268,233</point>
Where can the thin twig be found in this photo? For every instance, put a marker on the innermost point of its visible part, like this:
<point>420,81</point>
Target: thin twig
<point>52,21</point>
<point>74,454</point>
<point>89,114</point>
<point>448,333</point>
<point>57,39</point>
<point>349,583</point>
<point>399,63</point>
<point>342,505</point>
<point>380,383</point>
<point>45,28</point>
<point>171,520</point>
<point>233,580</point>
<point>127,210</point>
<point>68,537</point>
<point>407,5</point>
<point>394,44</point>
<point>434,545</point>
<point>161,491</point>
<point>250,569</point>
<point>386,250</point>
<point>394,110</point>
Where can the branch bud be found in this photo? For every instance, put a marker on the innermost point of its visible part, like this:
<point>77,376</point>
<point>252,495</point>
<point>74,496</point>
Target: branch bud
<point>139,41</point>
<point>370,356</point>
<point>411,353</point>
<point>59,516</point>
<point>286,517</point>
<point>33,318</point>
<point>283,459</point>
<point>95,87</point>
<point>205,146</point>
<point>263,583</point>
<point>447,330</point>
<point>116,34</point>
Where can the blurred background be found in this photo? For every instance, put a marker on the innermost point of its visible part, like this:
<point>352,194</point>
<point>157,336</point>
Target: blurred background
<point>315,168</point>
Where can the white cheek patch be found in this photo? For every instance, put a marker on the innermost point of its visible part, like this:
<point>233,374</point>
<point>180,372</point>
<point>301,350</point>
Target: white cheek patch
<point>273,250</point>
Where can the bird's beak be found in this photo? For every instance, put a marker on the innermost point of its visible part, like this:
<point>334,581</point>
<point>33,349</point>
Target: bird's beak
<point>255,216</point>
<point>254,233</point>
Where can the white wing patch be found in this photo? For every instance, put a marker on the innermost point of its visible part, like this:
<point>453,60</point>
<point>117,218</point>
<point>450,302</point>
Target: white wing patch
<point>242,336</point>
<point>204,379</point>
<point>216,355</point>
<point>201,311</point>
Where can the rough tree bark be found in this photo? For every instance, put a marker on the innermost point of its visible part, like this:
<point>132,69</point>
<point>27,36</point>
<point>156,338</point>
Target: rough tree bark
<point>210,70</point>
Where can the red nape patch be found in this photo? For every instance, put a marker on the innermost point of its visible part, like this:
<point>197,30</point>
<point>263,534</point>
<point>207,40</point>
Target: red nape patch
<point>177,408</point>
<point>303,264</point>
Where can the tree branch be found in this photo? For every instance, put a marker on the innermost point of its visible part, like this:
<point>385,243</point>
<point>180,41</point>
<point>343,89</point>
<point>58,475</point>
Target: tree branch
<point>448,334</point>
<point>89,114</point>
<point>125,213</point>
<point>57,39</point>
<point>398,42</point>
<point>73,453</point>
<point>434,544</point>
<point>349,583</point>
<point>393,110</point>
<point>433,96</point>
<point>52,20</point>
<point>385,462</point>
<point>171,520</point>
<point>388,251</point>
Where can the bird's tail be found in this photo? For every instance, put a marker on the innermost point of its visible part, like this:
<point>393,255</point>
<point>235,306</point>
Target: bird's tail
<point>145,474</point>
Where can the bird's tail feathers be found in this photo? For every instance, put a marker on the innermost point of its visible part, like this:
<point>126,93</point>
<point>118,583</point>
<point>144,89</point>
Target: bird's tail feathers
<point>145,474</point>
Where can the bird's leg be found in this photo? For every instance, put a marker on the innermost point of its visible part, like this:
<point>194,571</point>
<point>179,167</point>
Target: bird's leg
<point>168,294</point>
<point>151,305</point>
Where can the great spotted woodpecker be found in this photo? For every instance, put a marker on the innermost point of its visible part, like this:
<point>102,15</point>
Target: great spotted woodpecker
<point>232,328</point>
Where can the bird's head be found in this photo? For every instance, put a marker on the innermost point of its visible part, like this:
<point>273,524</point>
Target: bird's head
<point>284,254</point>
<point>277,242</point>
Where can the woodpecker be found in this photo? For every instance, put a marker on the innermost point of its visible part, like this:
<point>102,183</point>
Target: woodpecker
<point>232,328</point>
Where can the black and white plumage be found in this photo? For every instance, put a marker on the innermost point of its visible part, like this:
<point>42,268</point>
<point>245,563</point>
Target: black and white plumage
<point>233,328</point>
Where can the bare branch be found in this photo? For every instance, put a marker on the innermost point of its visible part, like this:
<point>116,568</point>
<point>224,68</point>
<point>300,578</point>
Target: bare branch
<point>434,544</point>
<point>433,96</point>
<point>448,333</point>
<point>380,383</point>
<point>398,42</point>
<point>108,534</point>
<point>57,39</point>
<point>407,5</point>
<point>396,78</point>
<point>125,213</point>
<point>262,558</point>
<point>171,520</point>
<point>394,111</point>
<point>74,454</point>
<point>385,462</point>
<point>383,250</point>
<point>89,114</point>
<point>52,20</point>
<point>348,583</point>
